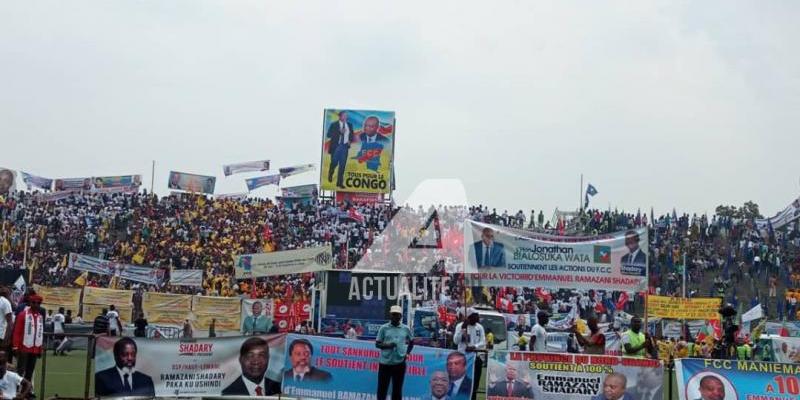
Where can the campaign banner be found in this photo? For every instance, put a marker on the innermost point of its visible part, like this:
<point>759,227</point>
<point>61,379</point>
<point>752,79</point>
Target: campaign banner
<point>33,181</point>
<point>287,262</point>
<point>199,368</point>
<point>55,196</point>
<point>97,295</point>
<point>736,379</point>
<point>286,172</point>
<point>301,191</point>
<point>500,256</point>
<point>90,311</point>
<point>365,328</point>
<point>8,181</point>
<point>128,181</point>
<point>231,196</point>
<point>543,376</point>
<point>186,277</point>
<point>336,369</point>
<point>359,198</point>
<point>683,308</point>
<point>256,316</point>
<point>249,166</point>
<point>167,308</point>
<point>55,297</point>
<point>191,182</point>
<point>781,219</point>
<point>135,273</point>
<point>72,184</point>
<point>225,310</point>
<point>357,151</point>
<point>255,183</point>
<point>779,349</point>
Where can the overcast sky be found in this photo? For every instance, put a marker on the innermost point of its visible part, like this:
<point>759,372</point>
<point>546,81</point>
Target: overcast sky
<point>673,104</point>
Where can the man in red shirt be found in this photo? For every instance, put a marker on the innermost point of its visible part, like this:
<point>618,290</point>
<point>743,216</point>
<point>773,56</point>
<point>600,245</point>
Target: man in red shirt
<point>28,336</point>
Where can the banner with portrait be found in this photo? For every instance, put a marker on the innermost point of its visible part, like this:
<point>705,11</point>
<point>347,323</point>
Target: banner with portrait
<point>90,311</point>
<point>544,376</point>
<point>257,182</point>
<point>670,307</point>
<point>191,182</point>
<point>135,273</point>
<point>287,262</point>
<point>33,181</point>
<point>500,256</point>
<point>76,184</point>
<point>736,379</point>
<point>8,181</point>
<point>249,166</point>
<point>55,297</point>
<point>186,277</point>
<point>301,191</point>
<point>107,182</point>
<point>348,369</point>
<point>225,310</point>
<point>127,367</point>
<point>286,172</point>
<point>167,308</point>
<point>256,316</point>
<point>357,151</point>
<point>98,295</point>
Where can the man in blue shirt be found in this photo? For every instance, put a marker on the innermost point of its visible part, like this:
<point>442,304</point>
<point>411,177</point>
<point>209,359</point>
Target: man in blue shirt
<point>395,341</point>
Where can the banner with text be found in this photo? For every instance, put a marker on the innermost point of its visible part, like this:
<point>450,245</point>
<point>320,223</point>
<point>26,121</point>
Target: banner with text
<point>683,308</point>
<point>225,310</point>
<point>295,169</point>
<point>97,295</point>
<point>500,256</point>
<point>55,297</point>
<point>255,183</point>
<point>191,182</point>
<point>249,166</point>
<point>287,262</point>
<point>357,151</point>
<point>175,368</point>
<point>186,277</point>
<point>301,191</point>
<point>166,308</point>
<point>736,379</point>
<point>34,181</point>
<point>341,369</point>
<point>543,376</point>
<point>135,273</point>
<point>107,182</point>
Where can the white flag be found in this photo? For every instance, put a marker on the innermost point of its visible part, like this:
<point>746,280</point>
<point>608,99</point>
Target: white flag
<point>753,314</point>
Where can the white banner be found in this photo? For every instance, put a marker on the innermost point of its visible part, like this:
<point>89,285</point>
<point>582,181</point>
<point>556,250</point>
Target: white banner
<point>186,277</point>
<point>753,314</point>
<point>787,215</point>
<point>284,262</point>
<point>249,166</point>
<point>295,169</point>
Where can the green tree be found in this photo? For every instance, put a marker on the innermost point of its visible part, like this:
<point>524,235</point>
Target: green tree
<point>748,210</point>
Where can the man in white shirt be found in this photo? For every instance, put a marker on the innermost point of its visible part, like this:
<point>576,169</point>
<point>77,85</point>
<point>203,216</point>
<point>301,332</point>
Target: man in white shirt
<point>11,382</point>
<point>538,333</point>
<point>6,318</point>
<point>58,327</point>
<point>471,337</point>
<point>114,322</point>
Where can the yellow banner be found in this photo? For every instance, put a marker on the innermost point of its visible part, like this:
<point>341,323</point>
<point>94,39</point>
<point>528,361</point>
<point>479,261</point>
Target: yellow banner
<point>95,295</point>
<point>90,311</point>
<point>164,308</point>
<point>226,310</point>
<point>55,297</point>
<point>681,308</point>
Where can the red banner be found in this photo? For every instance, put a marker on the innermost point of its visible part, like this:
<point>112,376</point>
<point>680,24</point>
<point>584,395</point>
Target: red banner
<point>359,198</point>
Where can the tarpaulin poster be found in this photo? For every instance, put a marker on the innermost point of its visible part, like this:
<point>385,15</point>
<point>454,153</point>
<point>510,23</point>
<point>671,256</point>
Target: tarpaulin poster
<point>191,182</point>
<point>167,308</point>
<point>34,181</point>
<point>101,182</point>
<point>736,379</point>
<point>683,308</point>
<point>225,310</point>
<point>136,273</point>
<point>286,262</point>
<point>186,277</point>
<point>543,376</point>
<point>256,316</point>
<point>234,366</point>
<point>348,369</point>
<point>249,166</point>
<point>8,181</point>
<point>357,151</point>
<point>55,297</point>
<point>501,256</point>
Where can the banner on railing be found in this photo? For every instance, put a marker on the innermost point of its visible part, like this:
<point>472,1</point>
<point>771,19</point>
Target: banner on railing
<point>683,308</point>
<point>166,308</point>
<point>543,376</point>
<point>233,366</point>
<point>55,297</point>
<point>225,310</point>
<point>186,277</point>
<point>287,262</point>
<point>135,273</point>
<point>335,369</point>
<point>736,379</point>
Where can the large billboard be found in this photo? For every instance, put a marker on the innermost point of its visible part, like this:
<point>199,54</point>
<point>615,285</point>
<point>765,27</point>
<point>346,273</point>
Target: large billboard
<point>500,256</point>
<point>357,151</point>
<point>287,262</point>
<point>126,367</point>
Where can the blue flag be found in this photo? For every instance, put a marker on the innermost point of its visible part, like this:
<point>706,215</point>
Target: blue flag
<point>591,190</point>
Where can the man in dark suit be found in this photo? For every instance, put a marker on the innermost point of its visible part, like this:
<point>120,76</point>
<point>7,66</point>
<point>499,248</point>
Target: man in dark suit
<point>122,379</point>
<point>649,384</point>
<point>511,386</point>
<point>341,135</point>
<point>460,383</point>
<point>254,360</point>
<point>488,253</point>
<point>372,144</point>
<point>300,351</point>
<point>635,262</point>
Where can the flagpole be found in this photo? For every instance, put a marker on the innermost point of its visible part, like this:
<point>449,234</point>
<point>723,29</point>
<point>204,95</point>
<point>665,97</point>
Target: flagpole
<point>25,253</point>
<point>580,195</point>
<point>152,176</point>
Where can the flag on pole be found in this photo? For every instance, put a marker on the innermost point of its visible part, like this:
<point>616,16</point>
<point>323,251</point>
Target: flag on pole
<point>590,191</point>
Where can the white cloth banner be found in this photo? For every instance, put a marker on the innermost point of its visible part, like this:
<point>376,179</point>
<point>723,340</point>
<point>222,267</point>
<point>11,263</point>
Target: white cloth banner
<point>249,166</point>
<point>753,314</point>
<point>186,277</point>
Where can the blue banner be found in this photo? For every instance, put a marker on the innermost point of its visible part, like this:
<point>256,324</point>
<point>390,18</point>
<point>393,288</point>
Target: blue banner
<point>348,369</point>
<point>255,183</point>
<point>732,379</point>
<point>37,181</point>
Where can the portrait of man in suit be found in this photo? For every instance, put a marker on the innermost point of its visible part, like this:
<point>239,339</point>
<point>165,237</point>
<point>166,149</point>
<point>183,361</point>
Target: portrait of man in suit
<point>372,144</point>
<point>340,134</point>
<point>649,384</point>
<point>488,253</point>
<point>460,383</point>
<point>123,379</point>
<point>440,383</point>
<point>254,360</point>
<point>257,322</point>
<point>635,262</point>
<point>711,388</point>
<point>300,352</point>
<point>511,386</point>
<point>614,386</point>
